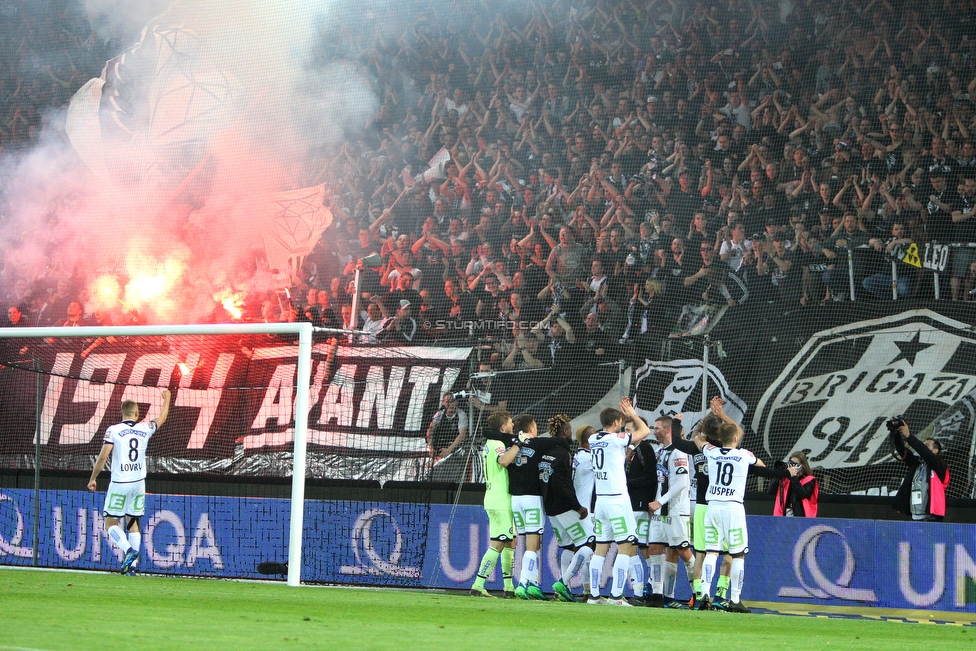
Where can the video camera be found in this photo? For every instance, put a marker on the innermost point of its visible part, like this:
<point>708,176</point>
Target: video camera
<point>894,423</point>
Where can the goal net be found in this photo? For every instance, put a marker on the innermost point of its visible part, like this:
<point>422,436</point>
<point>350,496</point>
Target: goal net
<point>220,470</point>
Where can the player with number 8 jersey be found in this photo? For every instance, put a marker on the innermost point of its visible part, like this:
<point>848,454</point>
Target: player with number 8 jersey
<point>127,443</point>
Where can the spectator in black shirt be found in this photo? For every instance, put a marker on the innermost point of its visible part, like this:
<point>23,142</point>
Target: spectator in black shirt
<point>13,348</point>
<point>942,200</point>
<point>964,232</point>
<point>878,281</point>
<point>401,329</point>
<point>697,283</point>
<point>779,277</point>
<point>683,202</point>
<point>594,339</point>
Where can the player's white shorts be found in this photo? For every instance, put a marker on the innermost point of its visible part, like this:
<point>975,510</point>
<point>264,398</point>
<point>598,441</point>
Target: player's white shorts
<point>643,520</point>
<point>725,525</point>
<point>528,513</point>
<point>613,520</point>
<point>570,530</point>
<point>656,534</point>
<point>669,530</point>
<point>125,499</point>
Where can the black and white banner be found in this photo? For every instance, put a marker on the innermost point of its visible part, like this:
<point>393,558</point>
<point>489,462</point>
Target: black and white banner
<point>820,380</point>
<point>233,405</point>
<point>825,382</point>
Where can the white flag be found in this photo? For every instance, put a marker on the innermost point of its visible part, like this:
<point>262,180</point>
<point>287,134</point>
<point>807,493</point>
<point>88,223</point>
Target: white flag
<point>436,169</point>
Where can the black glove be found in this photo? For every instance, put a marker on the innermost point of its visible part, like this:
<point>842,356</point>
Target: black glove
<point>509,440</point>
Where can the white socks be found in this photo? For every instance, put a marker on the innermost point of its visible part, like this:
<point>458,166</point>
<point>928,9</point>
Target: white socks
<point>690,572</point>
<point>738,572</point>
<point>565,560</point>
<point>670,578</point>
<point>596,571</point>
<point>577,563</point>
<point>655,573</point>
<point>118,537</point>
<point>530,569</point>
<point>708,572</point>
<point>637,575</point>
<point>621,565</point>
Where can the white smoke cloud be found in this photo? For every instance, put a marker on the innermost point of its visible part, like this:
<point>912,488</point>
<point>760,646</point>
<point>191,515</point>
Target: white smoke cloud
<point>121,20</point>
<point>165,182</point>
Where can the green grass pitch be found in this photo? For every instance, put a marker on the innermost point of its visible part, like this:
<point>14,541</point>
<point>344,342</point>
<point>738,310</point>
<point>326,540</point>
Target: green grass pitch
<point>74,610</point>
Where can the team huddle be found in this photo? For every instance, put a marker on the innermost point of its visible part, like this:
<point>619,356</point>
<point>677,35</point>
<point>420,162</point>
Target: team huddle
<point>660,501</point>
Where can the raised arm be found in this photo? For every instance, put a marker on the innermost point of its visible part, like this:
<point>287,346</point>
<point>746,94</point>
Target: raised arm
<point>164,412</point>
<point>641,430</point>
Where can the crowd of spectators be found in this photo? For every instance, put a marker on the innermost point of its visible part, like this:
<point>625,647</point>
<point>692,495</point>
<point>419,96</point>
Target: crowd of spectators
<point>614,161</point>
<point>47,51</point>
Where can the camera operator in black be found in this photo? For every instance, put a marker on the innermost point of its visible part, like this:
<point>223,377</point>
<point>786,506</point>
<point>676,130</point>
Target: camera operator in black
<point>923,492</point>
<point>642,486</point>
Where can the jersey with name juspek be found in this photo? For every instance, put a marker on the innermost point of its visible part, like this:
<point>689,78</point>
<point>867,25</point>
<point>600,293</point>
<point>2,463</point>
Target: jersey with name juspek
<point>609,453</point>
<point>728,469</point>
<point>129,441</point>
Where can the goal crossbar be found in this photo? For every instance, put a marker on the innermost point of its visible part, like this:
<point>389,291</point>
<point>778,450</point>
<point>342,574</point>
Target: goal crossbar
<point>304,332</point>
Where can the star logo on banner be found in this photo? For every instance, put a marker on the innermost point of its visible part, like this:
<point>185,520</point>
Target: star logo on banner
<point>909,349</point>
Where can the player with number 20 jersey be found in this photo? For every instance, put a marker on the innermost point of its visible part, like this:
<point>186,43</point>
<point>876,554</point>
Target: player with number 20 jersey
<point>613,516</point>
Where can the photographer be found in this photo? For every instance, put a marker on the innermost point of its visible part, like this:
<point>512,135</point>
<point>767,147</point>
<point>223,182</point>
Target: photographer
<point>923,492</point>
<point>796,495</point>
<point>448,429</point>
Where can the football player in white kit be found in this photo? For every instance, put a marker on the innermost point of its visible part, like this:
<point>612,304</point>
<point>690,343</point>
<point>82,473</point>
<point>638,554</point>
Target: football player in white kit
<point>585,489</point>
<point>613,516</point>
<point>725,520</point>
<point>671,511</point>
<point>126,496</point>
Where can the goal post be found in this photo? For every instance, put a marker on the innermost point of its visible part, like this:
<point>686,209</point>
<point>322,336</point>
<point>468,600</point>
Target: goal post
<point>303,382</point>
